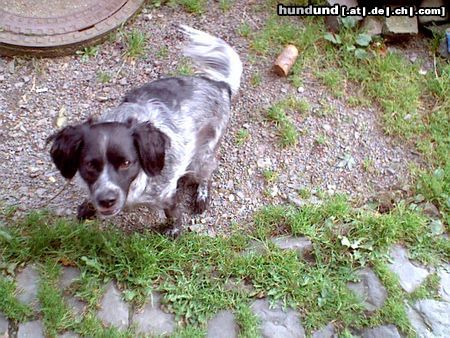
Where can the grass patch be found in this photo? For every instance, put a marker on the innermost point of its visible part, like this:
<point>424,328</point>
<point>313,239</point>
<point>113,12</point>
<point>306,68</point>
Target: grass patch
<point>184,68</point>
<point>333,80</point>
<point>104,77</point>
<point>191,6</point>
<point>244,29</point>
<point>225,5</point>
<point>287,132</point>
<point>56,315</point>
<point>9,305</point>
<point>163,52</point>
<point>428,289</point>
<point>135,44</point>
<point>256,79</point>
<point>87,53</point>
<point>242,136</point>
<point>271,176</point>
<point>414,103</point>
<point>194,272</point>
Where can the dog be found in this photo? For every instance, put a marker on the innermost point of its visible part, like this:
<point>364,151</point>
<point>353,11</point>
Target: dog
<point>171,128</point>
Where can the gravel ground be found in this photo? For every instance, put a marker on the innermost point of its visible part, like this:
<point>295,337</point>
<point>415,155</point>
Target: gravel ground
<point>34,92</point>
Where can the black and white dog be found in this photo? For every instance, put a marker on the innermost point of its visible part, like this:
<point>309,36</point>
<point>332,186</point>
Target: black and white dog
<point>163,131</point>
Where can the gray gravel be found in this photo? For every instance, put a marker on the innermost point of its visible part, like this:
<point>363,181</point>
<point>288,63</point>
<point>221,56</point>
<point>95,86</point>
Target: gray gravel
<point>36,95</point>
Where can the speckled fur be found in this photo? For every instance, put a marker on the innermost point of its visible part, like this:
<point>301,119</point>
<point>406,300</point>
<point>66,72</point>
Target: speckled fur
<point>192,113</point>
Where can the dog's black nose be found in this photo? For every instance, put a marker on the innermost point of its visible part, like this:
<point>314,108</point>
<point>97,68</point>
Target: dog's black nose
<point>107,201</point>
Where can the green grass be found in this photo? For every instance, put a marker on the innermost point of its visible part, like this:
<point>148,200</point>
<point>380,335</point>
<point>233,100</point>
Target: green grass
<point>242,136</point>
<point>103,77</point>
<point>256,79</point>
<point>413,105</point>
<point>87,53</point>
<point>163,52</point>
<point>184,68</point>
<point>304,193</point>
<point>9,305</point>
<point>368,165</point>
<point>194,272</point>
<point>244,29</point>
<point>321,139</point>
<point>428,289</point>
<point>271,176</point>
<point>225,5</point>
<point>135,44</point>
<point>287,132</point>
<point>191,6</point>
<point>302,106</point>
<point>56,315</point>
<point>333,79</point>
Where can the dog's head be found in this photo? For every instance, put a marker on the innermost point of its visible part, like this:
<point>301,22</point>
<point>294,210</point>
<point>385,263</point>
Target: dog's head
<point>108,157</point>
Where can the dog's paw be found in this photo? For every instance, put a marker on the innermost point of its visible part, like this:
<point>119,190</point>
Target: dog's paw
<point>173,232</point>
<point>200,205</point>
<point>86,210</point>
<point>171,228</point>
<point>202,198</point>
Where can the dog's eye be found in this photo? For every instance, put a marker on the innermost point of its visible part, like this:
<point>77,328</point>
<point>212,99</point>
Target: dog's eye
<point>124,165</point>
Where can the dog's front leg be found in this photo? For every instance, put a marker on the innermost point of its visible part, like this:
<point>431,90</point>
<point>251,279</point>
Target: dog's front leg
<point>174,225</point>
<point>202,197</point>
<point>86,210</point>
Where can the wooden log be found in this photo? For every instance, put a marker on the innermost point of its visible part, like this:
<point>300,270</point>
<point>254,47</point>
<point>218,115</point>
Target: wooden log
<point>285,60</point>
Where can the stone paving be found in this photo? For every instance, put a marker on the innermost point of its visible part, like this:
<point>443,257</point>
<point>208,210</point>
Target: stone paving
<point>429,317</point>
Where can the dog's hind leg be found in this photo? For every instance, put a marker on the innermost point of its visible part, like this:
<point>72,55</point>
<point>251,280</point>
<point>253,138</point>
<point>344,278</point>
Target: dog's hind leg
<point>203,180</point>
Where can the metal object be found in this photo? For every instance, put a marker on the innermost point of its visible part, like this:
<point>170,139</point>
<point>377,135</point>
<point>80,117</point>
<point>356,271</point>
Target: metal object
<point>58,27</point>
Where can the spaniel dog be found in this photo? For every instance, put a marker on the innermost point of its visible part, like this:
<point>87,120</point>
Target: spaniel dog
<point>168,129</point>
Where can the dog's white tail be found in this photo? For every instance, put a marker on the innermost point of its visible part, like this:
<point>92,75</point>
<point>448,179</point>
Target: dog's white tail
<point>214,57</point>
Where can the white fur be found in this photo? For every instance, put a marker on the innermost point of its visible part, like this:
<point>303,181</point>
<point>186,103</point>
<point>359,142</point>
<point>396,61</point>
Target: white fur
<point>203,47</point>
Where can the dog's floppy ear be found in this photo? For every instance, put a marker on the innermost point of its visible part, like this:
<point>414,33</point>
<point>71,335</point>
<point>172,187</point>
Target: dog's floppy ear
<point>150,143</point>
<point>66,149</point>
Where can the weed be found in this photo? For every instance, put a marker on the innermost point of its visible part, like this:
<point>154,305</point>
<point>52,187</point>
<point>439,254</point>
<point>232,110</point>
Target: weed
<point>355,101</point>
<point>189,331</point>
<point>9,305</point>
<point>103,77</point>
<point>368,165</point>
<point>38,66</point>
<point>56,315</point>
<point>332,78</point>
<point>135,43</point>
<point>304,193</point>
<point>184,68</point>
<point>248,322</point>
<point>286,129</point>
<point>225,5</point>
<point>163,52</point>
<point>270,176</point>
<point>256,79</point>
<point>192,6</point>
<point>242,136</point>
<point>326,108</point>
<point>244,30</point>
<point>303,106</point>
<point>87,53</point>
<point>321,139</point>
<point>428,289</point>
